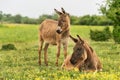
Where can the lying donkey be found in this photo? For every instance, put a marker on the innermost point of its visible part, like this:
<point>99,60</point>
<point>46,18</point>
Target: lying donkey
<point>83,57</point>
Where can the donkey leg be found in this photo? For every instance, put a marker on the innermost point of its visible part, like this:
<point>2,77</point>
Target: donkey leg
<point>81,66</point>
<point>94,68</point>
<point>65,49</point>
<point>45,54</point>
<point>39,50</point>
<point>58,53</point>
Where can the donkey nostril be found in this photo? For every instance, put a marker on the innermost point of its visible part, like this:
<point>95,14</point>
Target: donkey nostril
<point>58,31</point>
<point>72,61</point>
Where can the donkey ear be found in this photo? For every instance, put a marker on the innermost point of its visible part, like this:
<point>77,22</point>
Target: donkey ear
<point>63,10</point>
<point>74,39</point>
<point>58,12</point>
<point>82,41</point>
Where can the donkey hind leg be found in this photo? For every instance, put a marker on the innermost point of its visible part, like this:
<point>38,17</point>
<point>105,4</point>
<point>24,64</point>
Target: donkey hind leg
<point>65,49</point>
<point>39,50</point>
<point>45,54</point>
<point>94,69</point>
<point>58,53</point>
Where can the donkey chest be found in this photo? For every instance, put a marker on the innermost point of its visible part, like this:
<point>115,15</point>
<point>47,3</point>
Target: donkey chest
<point>64,40</point>
<point>55,41</point>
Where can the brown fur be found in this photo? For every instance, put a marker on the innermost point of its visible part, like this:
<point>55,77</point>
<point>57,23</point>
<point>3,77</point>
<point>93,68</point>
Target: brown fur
<point>91,63</point>
<point>69,66</point>
<point>55,33</point>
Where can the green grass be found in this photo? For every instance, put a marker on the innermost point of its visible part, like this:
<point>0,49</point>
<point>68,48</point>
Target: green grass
<point>22,64</point>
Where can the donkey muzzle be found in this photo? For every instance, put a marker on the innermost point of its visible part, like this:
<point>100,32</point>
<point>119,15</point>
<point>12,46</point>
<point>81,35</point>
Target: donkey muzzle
<point>59,30</point>
<point>73,61</point>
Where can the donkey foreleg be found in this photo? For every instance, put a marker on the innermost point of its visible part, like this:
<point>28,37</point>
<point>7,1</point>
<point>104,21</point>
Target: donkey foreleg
<point>65,49</point>
<point>58,53</point>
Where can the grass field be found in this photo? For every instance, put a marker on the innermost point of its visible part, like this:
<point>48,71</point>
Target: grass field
<point>22,64</point>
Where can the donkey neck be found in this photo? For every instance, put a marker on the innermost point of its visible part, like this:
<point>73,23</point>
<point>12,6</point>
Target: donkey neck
<point>65,33</point>
<point>90,53</point>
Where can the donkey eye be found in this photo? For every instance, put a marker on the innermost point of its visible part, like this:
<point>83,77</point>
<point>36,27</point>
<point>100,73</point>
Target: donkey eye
<point>79,49</point>
<point>63,21</point>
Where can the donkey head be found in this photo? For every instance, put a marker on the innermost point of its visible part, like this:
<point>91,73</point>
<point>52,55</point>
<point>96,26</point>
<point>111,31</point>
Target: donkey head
<point>63,21</point>
<point>78,50</point>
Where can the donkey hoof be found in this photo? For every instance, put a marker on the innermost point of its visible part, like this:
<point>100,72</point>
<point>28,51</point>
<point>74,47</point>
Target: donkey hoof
<point>46,64</point>
<point>56,64</point>
<point>39,62</point>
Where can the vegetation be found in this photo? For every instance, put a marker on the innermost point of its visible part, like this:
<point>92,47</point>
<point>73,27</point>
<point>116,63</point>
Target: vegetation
<point>81,20</point>
<point>103,35</point>
<point>111,9</point>
<point>116,34</point>
<point>8,47</point>
<point>22,64</point>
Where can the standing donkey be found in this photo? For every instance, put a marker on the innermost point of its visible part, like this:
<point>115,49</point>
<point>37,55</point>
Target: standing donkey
<point>55,33</point>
